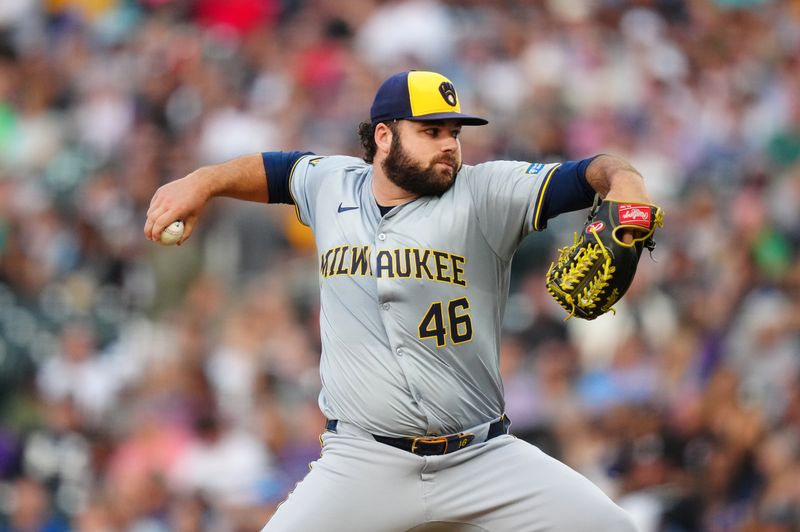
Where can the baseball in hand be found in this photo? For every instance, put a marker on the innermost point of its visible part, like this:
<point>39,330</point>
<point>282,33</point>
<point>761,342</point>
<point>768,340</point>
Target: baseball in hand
<point>172,234</point>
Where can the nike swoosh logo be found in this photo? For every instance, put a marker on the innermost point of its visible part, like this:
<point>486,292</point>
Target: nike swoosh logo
<point>343,209</point>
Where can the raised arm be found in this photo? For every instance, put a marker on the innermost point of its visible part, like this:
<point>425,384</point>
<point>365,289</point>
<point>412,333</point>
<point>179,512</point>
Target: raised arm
<point>590,276</point>
<point>615,179</point>
<point>184,199</point>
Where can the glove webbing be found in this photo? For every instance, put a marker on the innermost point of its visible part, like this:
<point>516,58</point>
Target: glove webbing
<point>583,263</point>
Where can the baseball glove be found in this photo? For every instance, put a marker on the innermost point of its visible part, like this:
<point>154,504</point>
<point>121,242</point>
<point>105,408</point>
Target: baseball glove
<point>592,274</point>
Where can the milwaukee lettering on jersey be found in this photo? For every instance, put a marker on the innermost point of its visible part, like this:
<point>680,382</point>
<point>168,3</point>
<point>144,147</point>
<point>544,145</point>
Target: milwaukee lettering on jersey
<point>399,263</point>
<point>634,215</point>
<point>346,260</point>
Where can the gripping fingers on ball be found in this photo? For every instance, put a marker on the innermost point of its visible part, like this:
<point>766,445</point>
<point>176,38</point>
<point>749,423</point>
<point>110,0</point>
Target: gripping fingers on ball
<point>149,227</point>
<point>155,224</point>
<point>157,221</point>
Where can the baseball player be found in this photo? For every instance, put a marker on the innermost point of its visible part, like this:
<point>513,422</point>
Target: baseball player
<point>414,255</point>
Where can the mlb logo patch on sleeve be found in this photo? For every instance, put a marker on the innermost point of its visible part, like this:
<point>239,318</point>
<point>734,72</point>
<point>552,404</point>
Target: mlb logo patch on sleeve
<point>535,168</point>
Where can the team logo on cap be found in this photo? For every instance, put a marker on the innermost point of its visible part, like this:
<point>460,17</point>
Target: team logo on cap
<point>448,93</point>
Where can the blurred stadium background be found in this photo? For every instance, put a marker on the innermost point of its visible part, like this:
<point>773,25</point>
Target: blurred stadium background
<point>149,389</point>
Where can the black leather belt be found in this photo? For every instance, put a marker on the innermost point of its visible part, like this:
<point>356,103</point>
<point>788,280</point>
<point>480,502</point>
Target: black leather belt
<point>436,445</point>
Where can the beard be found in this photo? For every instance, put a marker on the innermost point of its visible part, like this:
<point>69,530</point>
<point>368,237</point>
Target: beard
<point>412,177</point>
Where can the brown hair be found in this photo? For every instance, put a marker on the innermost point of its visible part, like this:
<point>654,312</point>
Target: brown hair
<point>366,133</point>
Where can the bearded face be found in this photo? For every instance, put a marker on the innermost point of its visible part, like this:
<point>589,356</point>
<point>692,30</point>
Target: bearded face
<point>431,179</point>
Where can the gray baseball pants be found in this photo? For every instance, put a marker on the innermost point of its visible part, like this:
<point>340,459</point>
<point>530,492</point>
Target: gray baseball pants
<point>500,485</point>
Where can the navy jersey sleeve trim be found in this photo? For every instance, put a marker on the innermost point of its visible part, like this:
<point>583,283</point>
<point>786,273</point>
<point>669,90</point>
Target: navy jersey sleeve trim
<point>291,194</point>
<point>278,166</point>
<point>565,189</point>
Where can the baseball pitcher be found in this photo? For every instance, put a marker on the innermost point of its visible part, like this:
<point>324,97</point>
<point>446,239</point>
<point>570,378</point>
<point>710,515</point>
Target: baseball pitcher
<point>414,251</point>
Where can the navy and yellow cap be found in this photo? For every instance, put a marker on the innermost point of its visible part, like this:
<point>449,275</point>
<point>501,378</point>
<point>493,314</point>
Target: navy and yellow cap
<point>419,95</point>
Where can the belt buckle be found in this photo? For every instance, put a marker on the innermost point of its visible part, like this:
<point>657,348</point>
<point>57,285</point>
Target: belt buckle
<point>462,439</point>
<point>429,440</point>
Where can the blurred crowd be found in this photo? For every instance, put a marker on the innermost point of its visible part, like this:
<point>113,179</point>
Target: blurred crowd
<point>145,388</point>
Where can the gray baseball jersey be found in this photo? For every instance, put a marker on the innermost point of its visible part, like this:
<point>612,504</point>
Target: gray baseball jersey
<point>412,302</point>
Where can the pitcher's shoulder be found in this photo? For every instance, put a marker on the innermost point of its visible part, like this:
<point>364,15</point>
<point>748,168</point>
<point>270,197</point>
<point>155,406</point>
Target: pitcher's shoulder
<point>507,168</point>
<point>336,162</point>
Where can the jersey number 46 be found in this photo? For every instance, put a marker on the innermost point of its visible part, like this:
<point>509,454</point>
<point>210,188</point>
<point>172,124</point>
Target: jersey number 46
<point>458,326</point>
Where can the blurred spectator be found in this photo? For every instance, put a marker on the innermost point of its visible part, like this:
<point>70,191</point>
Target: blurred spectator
<point>29,509</point>
<point>79,373</point>
<point>60,457</point>
<point>222,463</point>
<point>399,33</point>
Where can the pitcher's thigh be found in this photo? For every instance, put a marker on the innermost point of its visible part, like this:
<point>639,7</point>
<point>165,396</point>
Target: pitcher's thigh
<point>515,486</point>
<point>351,488</point>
